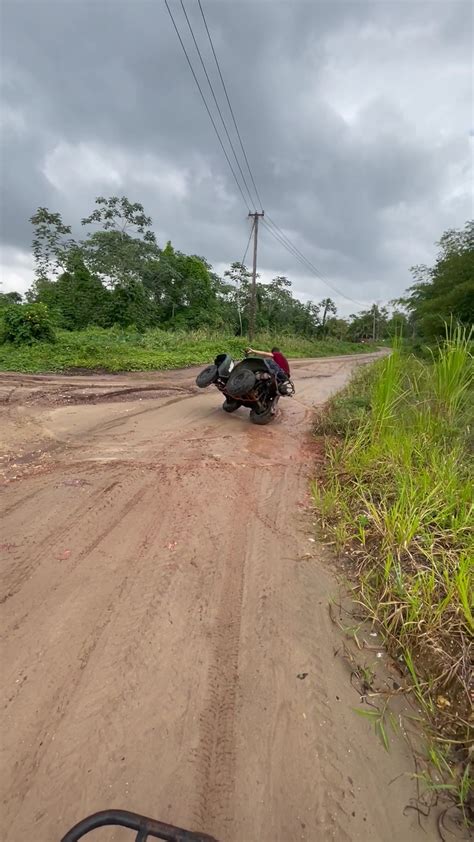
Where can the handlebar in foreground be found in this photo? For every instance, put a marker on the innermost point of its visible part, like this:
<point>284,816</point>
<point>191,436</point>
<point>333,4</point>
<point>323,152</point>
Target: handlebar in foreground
<point>144,827</point>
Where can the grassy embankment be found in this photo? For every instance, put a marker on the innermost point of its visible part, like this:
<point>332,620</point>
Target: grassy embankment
<point>397,496</point>
<point>122,350</point>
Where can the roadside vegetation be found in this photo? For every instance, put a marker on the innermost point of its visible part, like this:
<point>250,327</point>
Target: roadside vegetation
<point>117,275</point>
<point>119,349</point>
<point>396,496</point>
<point>115,300</point>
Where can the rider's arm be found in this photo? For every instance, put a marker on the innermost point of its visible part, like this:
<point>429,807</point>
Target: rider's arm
<point>260,353</point>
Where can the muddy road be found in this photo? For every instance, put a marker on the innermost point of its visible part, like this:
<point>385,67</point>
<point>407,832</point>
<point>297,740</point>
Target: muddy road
<point>167,646</point>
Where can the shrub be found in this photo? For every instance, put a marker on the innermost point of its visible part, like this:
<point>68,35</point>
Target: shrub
<point>24,324</point>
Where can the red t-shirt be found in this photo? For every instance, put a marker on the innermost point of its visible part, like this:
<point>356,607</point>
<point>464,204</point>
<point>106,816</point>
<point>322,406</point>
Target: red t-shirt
<point>282,362</point>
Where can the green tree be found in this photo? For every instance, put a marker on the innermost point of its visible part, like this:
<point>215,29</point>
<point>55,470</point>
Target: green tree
<point>328,307</point>
<point>124,242</point>
<point>275,304</point>
<point>445,291</point>
<point>52,243</point>
<point>398,324</point>
<point>9,298</point>
<point>76,299</point>
<point>130,305</point>
<point>368,324</point>
<point>200,302</point>
<point>282,313</point>
<point>337,328</point>
<point>183,288</point>
<point>82,298</point>
<point>239,280</point>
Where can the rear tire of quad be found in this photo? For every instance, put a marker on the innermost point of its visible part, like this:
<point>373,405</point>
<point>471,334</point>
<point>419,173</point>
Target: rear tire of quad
<point>207,376</point>
<point>262,418</point>
<point>230,405</point>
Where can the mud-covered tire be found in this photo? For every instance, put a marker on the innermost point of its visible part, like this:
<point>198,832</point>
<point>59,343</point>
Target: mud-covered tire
<point>207,376</point>
<point>230,405</point>
<point>262,417</point>
<point>240,382</point>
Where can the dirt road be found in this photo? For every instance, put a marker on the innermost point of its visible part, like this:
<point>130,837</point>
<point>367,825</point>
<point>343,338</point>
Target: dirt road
<point>165,649</point>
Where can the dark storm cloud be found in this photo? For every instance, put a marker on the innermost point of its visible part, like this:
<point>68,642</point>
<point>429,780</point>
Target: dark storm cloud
<point>355,117</point>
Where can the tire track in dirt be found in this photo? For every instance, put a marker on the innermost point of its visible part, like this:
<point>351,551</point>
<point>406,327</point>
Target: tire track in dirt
<point>59,705</point>
<point>138,615</point>
<point>18,503</point>
<point>179,661</point>
<point>270,614</point>
<point>216,750</point>
<point>57,708</point>
<point>23,563</point>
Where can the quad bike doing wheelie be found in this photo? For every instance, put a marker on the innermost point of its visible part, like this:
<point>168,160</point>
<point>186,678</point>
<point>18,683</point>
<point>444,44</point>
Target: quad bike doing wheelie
<point>145,828</point>
<point>253,383</point>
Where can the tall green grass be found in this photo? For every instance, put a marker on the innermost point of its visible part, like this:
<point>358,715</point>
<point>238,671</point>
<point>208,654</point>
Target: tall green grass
<point>397,493</point>
<point>128,350</point>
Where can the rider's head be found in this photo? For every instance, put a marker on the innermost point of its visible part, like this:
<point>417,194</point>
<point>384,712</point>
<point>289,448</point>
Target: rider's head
<point>275,350</point>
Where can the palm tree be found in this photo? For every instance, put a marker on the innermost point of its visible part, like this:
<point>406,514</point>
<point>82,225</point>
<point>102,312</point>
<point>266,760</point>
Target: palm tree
<point>327,305</point>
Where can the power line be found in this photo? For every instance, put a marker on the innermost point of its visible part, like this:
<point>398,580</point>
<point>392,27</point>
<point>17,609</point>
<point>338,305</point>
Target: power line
<point>305,262</point>
<point>270,225</point>
<point>229,104</point>
<point>288,242</point>
<point>205,104</point>
<point>289,248</point>
<point>285,240</point>
<point>215,100</point>
<point>248,244</point>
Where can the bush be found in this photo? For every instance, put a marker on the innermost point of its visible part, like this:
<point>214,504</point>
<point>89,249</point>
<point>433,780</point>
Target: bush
<point>24,324</point>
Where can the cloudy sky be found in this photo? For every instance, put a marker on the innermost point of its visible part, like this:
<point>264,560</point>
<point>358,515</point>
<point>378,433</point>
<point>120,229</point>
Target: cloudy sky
<point>356,117</point>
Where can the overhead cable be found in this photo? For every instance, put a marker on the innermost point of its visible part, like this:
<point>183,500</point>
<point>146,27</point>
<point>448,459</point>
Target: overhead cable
<point>229,104</point>
<point>215,100</point>
<point>206,105</point>
<point>305,262</point>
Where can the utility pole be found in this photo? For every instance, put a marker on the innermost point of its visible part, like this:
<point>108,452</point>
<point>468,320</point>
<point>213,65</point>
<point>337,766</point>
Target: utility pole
<point>253,299</point>
<point>376,313</point>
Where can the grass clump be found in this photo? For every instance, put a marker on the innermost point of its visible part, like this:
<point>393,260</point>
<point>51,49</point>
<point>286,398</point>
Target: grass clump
<point>117,350</point>
<point>397,495</point>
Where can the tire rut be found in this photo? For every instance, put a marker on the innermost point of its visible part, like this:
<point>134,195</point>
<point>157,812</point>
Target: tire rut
<point>163,620</point>
<point>51,544</point>
<point>216,751</point>
<point>59,705</point>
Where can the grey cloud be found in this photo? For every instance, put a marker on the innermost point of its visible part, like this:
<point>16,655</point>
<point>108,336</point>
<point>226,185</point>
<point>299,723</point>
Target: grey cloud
<point>350,189</point>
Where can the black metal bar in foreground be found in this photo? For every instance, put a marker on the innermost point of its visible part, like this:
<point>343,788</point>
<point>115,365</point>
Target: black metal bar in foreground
<point>144,827</point>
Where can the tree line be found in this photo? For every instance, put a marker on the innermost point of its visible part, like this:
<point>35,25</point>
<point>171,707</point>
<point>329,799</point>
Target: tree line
<point>117,274</point>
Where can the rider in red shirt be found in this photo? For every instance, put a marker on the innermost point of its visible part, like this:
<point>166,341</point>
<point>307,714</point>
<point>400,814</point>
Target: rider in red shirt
<point>276,355</point>
<point>285,386</point>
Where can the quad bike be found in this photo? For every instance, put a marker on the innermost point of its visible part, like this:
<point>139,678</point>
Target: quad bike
<point>145,828</point>
<point>254,383</point>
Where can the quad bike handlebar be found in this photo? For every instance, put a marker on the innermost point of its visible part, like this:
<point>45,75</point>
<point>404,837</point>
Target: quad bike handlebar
<point>145,828</point>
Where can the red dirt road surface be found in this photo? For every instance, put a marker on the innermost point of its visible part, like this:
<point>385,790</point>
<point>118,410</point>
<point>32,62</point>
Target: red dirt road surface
<point>159,605</point>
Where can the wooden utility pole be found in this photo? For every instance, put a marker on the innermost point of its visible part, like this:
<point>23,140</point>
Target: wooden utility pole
<point>375,309</point>
<point>253,298</point>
